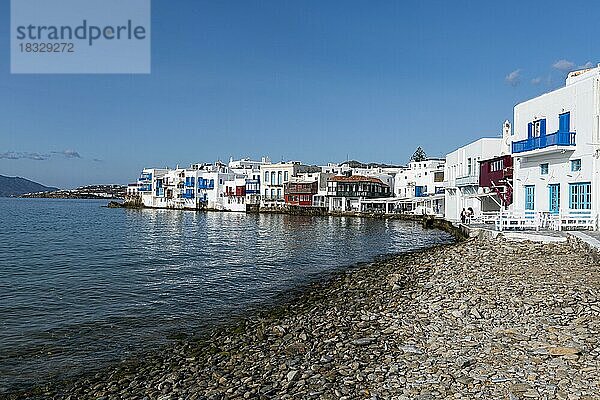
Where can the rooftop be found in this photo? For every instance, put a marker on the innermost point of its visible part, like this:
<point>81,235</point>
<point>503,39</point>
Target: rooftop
<point>356,178</point>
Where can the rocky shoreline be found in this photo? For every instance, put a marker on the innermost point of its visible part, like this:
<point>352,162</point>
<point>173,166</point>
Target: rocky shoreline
<point>487,319</point>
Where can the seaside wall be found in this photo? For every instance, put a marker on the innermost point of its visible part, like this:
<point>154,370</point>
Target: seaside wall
<point>459,231</point>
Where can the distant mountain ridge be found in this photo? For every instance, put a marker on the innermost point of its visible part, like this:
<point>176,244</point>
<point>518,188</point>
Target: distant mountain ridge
<point>16,186</point>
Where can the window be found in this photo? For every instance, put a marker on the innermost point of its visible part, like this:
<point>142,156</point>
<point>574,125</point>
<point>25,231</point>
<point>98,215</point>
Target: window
<point>272,193</point>
<point>266,192</point>
<point>272,177</point>
<point>580,196</point>
<point>529,197</point>
<point>285,176</point>
<point>469,166</point>
<point>575,165</point>
<point>279,193</point>
<point>536,128</point>
<point>497,165</point>
<point>554,198</point>
<point>266,176</point>
<point>279,177</point>
<point>544,169</point>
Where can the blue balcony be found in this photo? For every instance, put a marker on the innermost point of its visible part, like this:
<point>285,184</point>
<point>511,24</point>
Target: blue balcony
<point>188,195</point>
<point>145,177</point>
<point>206,184</point>
<point>145,188</point>
<point>542,142</point>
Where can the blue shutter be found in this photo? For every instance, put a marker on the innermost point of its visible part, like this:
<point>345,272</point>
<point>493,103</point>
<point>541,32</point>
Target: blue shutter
<point>564,122</point>
<point>543,127</point>
<point>529,130</point>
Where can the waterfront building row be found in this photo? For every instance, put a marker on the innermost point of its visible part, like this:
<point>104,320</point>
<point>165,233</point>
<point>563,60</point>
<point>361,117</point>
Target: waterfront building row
<point>246,184</point>
<point>540,171</point>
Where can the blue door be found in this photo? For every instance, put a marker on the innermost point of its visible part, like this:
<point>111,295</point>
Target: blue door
<point>554,198</point>
<point>418,191</point>
<point>564,122</point>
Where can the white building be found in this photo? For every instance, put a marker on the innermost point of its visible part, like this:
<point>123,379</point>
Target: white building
<point>462,189</point>
<point>150,188</point>
<point>235,194</point>
<point>250,169</point>
<point>383,172</point>
<point>275,176</point>
<point>320,198</point>
<point>420,187</point>
<point>556,146</point>
<point>348,193</point>
<point>420,178</point>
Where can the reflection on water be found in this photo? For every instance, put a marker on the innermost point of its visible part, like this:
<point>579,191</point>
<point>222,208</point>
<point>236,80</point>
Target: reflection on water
<point>84,285</point>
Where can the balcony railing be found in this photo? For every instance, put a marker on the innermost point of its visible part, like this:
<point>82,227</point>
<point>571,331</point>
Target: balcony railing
<point>468,180</point>
<point>541,142</point>
<point>206,185</point>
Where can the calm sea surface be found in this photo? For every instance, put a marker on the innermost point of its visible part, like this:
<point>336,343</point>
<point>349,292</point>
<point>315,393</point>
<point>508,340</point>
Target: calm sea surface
<point>82,286</point>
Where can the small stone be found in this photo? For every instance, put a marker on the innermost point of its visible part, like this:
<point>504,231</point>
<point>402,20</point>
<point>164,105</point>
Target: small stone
<point>563,351</point>
<point>363,341</point>
<point>292,375</point>
<point>531,393</point>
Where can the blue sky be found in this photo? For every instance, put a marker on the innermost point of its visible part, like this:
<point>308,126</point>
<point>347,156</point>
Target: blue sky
<point>315,81</point>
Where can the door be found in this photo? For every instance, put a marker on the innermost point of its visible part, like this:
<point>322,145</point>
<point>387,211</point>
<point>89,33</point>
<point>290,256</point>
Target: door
<point>554,198</point>
<point>564,122</point>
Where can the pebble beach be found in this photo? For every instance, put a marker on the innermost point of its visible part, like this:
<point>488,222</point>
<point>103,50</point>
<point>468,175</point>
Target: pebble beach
<point>479,319</point>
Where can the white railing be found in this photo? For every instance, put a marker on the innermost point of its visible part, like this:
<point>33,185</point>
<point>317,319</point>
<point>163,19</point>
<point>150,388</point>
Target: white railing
<point>536,220</point>
<point>576,219</point>
<point>518,220</point>
<point>467,180</point>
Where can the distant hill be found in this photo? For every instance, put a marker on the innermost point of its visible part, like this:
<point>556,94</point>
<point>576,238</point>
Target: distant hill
<point>15,186</point>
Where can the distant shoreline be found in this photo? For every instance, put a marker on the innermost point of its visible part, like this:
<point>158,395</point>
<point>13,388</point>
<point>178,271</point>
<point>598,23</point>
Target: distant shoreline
<point>64,197</point>
<point>95,192</point>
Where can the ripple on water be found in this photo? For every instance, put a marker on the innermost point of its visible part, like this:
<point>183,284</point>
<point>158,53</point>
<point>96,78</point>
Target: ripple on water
<point>83,285</point>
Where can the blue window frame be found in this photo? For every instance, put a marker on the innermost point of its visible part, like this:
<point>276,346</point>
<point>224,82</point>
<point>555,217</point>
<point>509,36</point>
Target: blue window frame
<point>554,198</point>
<point>529,197</point>
<point>544,169</point>
<point>575,165</point>
<point>536,128</point>
<point>580,196</point>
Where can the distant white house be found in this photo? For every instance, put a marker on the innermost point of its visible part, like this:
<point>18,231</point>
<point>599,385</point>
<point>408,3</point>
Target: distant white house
<point>275,176</point>
<point>420,186</point>
<point>215,186</point>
